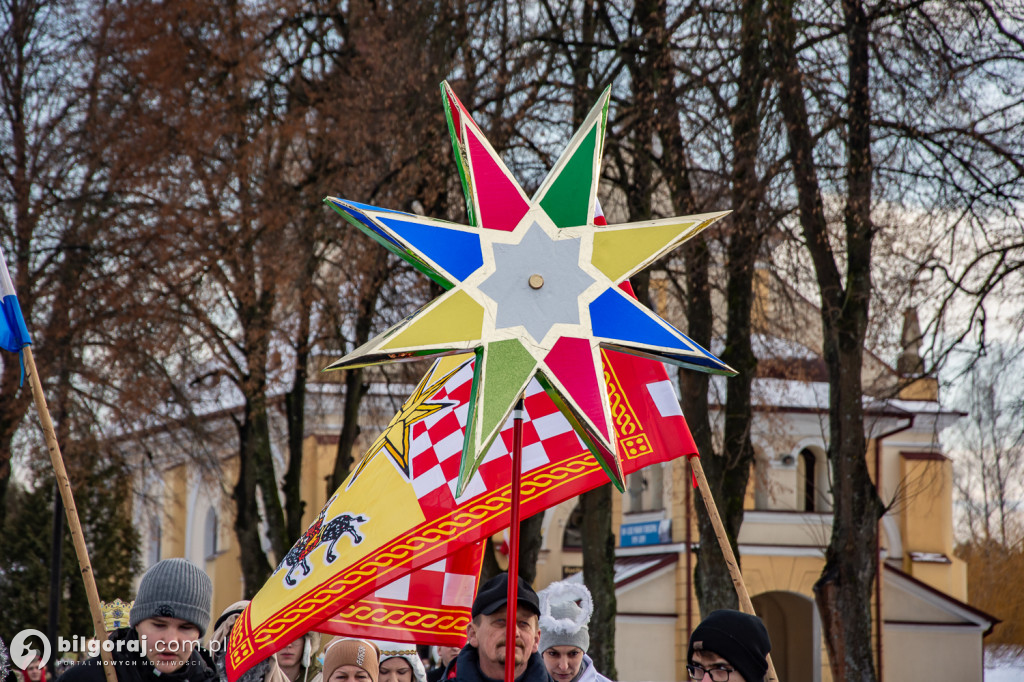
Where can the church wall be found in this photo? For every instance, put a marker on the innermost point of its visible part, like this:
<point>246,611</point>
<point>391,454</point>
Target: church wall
<point>932,653</point>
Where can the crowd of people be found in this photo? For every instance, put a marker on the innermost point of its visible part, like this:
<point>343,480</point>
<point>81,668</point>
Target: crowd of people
<point>172,613</point>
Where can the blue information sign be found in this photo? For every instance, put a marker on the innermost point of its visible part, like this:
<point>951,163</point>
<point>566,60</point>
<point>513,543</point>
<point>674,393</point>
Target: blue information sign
<point>645,533</point>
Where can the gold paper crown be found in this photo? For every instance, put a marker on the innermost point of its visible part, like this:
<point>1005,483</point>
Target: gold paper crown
<point>116,613</point>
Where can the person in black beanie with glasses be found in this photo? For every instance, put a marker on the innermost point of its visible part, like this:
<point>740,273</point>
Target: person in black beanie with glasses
<point>729,646</point>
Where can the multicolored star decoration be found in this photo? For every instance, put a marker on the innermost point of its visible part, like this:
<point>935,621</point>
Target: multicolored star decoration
<point>534,288</point>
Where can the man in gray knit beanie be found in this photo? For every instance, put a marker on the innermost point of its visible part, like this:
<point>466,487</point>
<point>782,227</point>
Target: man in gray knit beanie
<point>174,588</point>
<point>167,621</point>
<point>171,612</point>
<point>564,635</point>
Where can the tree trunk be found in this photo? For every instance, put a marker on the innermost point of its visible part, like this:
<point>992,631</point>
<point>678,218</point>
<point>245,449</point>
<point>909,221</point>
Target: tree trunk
<point>712,583</point>
<point>711,576</point>
<point>729,474</point>
<point>490,567</point>
<point>599,575</point>
<point>712,579</point>
<point>529,551</point>
<point>256,462</point>
<point>596,505</point>
<point>843,592</point>
<point>256,477</point>
<point>529,546</point>
<point>295,411</point>
<point>728,486</point>
<point>256,316</point>
<point>255,567</point>
<point>263,460</point>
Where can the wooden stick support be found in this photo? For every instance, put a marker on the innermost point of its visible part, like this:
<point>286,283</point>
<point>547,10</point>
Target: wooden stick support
<point>72,512</point>
<point>730,558</point>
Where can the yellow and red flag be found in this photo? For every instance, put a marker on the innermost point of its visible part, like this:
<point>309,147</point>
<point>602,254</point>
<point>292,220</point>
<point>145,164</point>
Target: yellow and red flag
<point>395,550</point>
<point>431,605</point>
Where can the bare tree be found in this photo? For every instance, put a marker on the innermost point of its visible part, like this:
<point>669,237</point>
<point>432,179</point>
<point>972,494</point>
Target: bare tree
<point>370,76</point>
<point>846,115</point>
<point>60,211</point>
<point>740,96</point>
<point>210,139</point>
<point>988,448</point>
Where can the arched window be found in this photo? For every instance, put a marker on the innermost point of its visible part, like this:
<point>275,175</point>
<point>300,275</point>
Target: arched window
<point>210,545</point>
<point>807,477</point>
<point>572,538</point>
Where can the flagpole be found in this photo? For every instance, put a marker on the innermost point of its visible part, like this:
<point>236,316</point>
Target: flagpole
<point>511,623</point>
<point>723,541</point>
<point>72,512</point>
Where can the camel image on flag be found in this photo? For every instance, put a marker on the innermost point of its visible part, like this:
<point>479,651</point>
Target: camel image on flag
<point>538,308</point>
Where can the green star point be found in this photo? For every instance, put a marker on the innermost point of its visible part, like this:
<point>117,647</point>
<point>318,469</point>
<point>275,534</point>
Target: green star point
<point>503,370</point>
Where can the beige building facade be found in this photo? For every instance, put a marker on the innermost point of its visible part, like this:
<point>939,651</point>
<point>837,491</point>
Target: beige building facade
<point>923,627</point>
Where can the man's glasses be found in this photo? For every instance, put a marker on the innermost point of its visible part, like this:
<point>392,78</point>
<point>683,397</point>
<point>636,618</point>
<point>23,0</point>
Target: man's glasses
<point>719,672</point>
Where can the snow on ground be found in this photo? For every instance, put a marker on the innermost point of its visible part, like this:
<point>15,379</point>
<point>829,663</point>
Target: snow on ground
<point>1003,664</point>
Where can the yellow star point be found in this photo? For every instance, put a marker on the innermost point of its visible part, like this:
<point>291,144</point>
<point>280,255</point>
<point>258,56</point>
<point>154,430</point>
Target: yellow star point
<point>394,439</point>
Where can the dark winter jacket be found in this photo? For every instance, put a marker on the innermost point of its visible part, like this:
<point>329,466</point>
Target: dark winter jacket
<point>466,668</point>
<point>132,666</point>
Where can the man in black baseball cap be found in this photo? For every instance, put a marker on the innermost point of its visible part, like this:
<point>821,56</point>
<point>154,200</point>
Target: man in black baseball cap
<point>729,646</point>
<point>483,657</point>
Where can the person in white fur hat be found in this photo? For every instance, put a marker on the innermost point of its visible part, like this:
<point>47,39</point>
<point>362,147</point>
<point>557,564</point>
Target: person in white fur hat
<point>564,635</point>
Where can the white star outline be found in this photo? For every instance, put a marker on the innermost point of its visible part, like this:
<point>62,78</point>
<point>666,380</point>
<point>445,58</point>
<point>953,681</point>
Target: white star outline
<point>539,348</point>
<point>458,324</point>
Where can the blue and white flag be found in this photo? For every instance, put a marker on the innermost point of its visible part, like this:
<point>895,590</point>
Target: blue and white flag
<point>13,332</point>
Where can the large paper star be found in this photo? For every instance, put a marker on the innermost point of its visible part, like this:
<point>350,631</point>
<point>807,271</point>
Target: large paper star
<point>533,287</point>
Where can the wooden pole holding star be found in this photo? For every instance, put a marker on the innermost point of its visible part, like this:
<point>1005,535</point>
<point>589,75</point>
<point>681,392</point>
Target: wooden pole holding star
<point>746,605</point>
